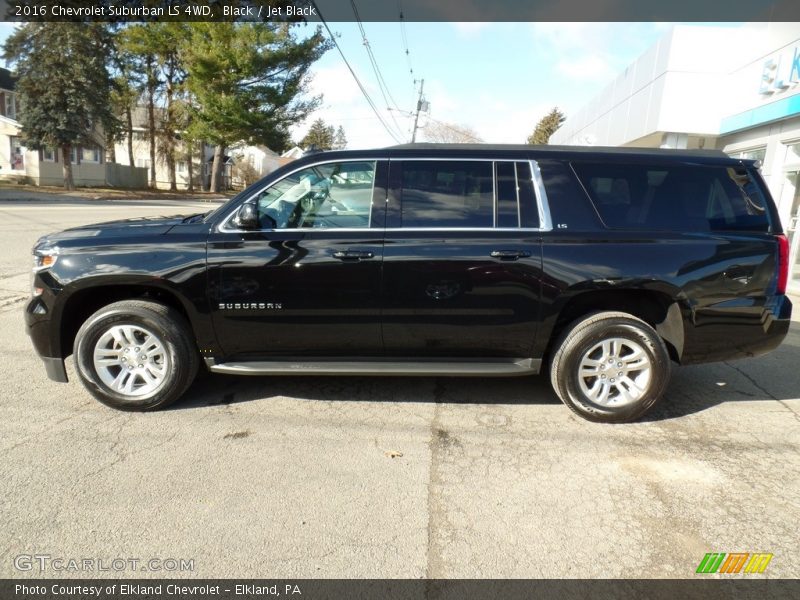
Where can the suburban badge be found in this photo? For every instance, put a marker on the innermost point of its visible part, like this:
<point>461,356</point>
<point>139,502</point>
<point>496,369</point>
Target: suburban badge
<point>249,306</point>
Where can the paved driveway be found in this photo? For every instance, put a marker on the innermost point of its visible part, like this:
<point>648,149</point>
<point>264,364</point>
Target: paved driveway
<point>401,477</point>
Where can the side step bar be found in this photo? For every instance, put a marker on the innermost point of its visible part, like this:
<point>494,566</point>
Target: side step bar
<point>455,367</point>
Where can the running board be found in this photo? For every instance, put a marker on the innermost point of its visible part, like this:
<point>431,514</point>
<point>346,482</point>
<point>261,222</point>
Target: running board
<point>453,367</point>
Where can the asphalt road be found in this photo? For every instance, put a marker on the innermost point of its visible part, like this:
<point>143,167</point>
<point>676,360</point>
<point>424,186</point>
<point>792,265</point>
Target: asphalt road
<point>401,477</point>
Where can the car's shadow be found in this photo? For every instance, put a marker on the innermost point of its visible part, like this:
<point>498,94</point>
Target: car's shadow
<point>693,389</point>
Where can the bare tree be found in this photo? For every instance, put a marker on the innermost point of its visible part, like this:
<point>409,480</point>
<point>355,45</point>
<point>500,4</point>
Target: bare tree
<point>450,133</point>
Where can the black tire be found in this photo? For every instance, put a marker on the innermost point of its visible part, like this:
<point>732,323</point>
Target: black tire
<point>178,358</point>
<point>582,342</point>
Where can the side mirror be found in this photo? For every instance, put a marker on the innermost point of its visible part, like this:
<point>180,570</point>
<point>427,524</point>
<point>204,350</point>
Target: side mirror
<point>247,216</point>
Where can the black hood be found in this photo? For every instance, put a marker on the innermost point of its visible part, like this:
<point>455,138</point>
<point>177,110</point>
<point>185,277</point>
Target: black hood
<point>119,228</point>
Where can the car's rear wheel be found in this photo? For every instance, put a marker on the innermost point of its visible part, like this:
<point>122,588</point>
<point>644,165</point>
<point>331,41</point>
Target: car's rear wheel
<point>136,355</point>
<point>610,367</point>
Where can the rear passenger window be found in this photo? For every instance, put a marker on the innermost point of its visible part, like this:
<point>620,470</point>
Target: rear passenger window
<point>447,194</point>
<point>507,207</point>
<point>675,197</point>
<point>528,209</point>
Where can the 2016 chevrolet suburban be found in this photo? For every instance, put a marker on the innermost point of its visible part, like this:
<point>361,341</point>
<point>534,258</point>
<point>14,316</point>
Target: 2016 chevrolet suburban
<point>601,266</point>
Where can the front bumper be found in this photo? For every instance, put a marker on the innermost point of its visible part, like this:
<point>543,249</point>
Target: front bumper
<point>55,369</point>
<point>40,327</point>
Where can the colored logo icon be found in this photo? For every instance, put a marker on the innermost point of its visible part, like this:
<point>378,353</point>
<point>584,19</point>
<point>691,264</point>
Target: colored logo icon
<point>737,562</point>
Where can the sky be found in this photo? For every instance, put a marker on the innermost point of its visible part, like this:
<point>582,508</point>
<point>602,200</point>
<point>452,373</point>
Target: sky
<point>497,78</point>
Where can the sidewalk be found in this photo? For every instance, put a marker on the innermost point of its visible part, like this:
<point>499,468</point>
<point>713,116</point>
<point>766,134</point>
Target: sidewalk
<point>28,193</point>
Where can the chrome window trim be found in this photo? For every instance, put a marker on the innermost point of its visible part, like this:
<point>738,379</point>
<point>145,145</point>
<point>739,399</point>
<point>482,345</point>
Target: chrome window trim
<point>495,198</point>
<point>475,229</point>
<point>545,220</point>
<point>223,227</point>
<point>516,183</point>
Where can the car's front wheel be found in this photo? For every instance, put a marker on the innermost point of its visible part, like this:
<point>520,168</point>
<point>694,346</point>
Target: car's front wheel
<point>610,367</point>
<point>136,355</point>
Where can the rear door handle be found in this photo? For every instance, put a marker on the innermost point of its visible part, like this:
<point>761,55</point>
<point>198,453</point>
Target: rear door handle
<point>353,254</point>
<point>509,254</point>
<point>739,273</point>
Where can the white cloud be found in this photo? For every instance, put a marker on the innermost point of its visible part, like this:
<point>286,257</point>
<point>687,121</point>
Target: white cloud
<point>336,85</point>
<point>441,101</point>
<point>583,68</point>
<point>591,51</point>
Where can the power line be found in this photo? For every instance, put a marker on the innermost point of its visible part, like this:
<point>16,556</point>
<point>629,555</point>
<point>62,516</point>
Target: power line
<point>404,38</point>
<point>382,85</point>
<point>353,73</point>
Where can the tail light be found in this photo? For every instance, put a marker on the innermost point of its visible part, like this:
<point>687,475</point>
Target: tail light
<point>783,263</point>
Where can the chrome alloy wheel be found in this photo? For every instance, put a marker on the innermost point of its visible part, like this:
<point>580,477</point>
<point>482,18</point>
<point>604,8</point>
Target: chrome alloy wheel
<point>615,372</point>
<point>131,360</point>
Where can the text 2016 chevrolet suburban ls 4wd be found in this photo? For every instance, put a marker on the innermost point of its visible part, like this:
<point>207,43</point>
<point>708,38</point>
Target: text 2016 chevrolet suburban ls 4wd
<point>602,266</point>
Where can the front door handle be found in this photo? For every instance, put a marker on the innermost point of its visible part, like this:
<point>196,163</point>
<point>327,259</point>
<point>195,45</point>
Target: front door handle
<point>353,254</point>
<point>509,254</point>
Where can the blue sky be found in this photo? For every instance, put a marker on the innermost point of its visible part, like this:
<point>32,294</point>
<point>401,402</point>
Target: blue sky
<point>497,78</point>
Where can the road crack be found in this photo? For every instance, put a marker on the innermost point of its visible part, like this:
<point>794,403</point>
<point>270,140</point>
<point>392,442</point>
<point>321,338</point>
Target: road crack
<point>762,389</point>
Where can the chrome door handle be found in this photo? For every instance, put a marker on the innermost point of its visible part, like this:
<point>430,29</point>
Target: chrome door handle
<point>352,254</point>
<point>509,254</point>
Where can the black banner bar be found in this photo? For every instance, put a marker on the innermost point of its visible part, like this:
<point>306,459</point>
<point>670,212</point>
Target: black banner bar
<point>701,588</point>
<point>390,10</point>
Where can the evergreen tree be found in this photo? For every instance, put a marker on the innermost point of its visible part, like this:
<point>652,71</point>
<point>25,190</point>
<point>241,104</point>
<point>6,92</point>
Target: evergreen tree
<point>320,136</point>
<point>546,127</point>
<point>248,82</point>
<point>340,139</point>
<point>64,85</point>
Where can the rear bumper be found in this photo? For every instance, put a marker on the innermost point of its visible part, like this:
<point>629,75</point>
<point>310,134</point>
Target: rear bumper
<point>738,329</point>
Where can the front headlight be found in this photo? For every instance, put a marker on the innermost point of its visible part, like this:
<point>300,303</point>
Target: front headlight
<point>42,260</point>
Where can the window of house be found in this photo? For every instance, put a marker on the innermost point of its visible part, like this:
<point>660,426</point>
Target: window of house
<point>181,166</point>
<point>90,155</point>
<point>17,154</point>
<point>11,106</point>
<point>447,194</point>
<point>49,154</point>
<point>793,154</point>
<point>751,154</point>
<point>675,197</point>
<point>142,162</point>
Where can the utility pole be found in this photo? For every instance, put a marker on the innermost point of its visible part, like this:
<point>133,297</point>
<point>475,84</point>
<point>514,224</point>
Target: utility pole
<point>419,107</point>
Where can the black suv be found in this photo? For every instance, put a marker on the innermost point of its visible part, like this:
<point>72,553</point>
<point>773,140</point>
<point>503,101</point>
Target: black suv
<point>600,265</point>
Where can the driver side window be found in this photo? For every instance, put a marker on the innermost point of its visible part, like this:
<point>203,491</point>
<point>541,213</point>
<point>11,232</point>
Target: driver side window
<point>331,195</point>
